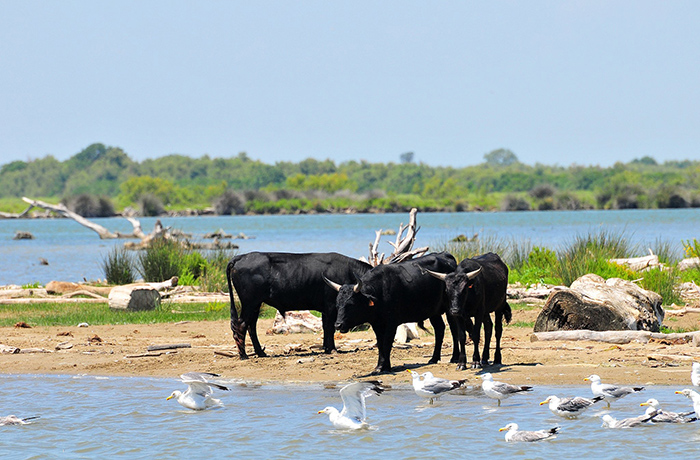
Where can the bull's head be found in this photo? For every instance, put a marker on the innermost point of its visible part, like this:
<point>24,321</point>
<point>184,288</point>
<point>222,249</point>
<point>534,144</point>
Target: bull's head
<point>354,307</point>
<point>458,285</point>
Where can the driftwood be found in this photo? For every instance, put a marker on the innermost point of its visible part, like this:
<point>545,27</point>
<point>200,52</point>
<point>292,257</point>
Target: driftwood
<point>687,264</point>
<point>138,296</point>
<point>403,247</point>
<point>639,264</point>
<point>596,304</point>
<point>295,322</point>
<point>65,287</point>
<point>618,337</point>
<point>170,346</point>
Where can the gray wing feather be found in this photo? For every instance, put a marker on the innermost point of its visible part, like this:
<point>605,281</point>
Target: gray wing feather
<point>574,404</point>
<point>353,396</point>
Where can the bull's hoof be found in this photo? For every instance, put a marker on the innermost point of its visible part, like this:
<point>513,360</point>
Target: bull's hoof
<point>262,354</point>
<point>476,365</point>
<point>461,367</point>
<point>243,356</point>
<point>379,370</point>
<point>330,351</point>
<point>454,360</point>
<point>433,361</point>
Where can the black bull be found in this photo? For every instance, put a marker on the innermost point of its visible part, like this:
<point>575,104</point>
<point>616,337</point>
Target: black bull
<point>475,289</point>
<point>286,281</point>
<point>393,294</point>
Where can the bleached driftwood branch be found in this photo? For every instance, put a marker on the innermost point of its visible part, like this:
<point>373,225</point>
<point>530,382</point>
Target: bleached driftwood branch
<point>403,247</point>
<point>618,337</point>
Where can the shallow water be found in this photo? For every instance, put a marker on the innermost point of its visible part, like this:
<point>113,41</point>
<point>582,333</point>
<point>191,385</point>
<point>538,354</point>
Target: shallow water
<point>75,252</point>
<point>118,417</point>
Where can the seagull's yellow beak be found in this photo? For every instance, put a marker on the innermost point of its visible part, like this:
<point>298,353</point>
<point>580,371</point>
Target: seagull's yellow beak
<point>644,404</point>
<point>502,429</point>
<point>544,402</point>
<point>169,398</point>
<point>321,411</point>
<point>586,379</point>
<point>679,392</point>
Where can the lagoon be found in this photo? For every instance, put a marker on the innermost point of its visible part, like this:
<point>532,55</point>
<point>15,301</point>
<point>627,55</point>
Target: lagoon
<point>75,253</point>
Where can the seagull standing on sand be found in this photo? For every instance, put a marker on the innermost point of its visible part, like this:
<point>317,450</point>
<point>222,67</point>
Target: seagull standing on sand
<point>500,390</point>
<point>569,407</point>
<point>693,396</point>
<point>695,375</point>
<point>513,435</point>
<point>610,422</point>
<point>663,416</point>
<point>609,392</point>
<point>14,420</point>
<point>199,391</point>
<point>354,413</point>
<point>428,386</point>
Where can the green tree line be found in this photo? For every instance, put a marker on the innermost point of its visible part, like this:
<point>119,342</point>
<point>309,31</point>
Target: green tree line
<point>100,179</point>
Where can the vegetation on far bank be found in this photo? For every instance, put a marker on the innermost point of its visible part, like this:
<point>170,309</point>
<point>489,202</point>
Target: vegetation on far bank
<point>102,180</point>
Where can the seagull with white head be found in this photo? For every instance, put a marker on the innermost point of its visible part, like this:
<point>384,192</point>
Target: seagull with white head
<point>569,407</point>
<point>663,416</point>
<point>428,386</point>
<point>609,392</point>
<point>500,390</point>
<point>199,391</point>
<point>515,435</point>
<point>353,416</point>
<point>693,396</point>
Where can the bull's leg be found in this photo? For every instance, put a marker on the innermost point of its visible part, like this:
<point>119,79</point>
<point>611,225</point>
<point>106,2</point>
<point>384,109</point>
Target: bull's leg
<point>328,320</point>
<point>252,322</point>
<point>439,327</point>
<point>458,329</point>
<point>488,331</point>
<point>475,334</point>
<point>385,340</point>
<point>499,332</point>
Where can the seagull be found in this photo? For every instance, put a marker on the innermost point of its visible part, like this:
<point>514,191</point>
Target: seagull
<point>610,422</point>
<point>199,391</point>
<point>695,375</point>
<point>569,407</point>
<point>693,396</point>
<point>663,416</point>
<point>609,392</point>
<point>513,435</point>
<point>14,420</point>
<point>354,413</point>
<point>500,390</point>
<point>428,386</point>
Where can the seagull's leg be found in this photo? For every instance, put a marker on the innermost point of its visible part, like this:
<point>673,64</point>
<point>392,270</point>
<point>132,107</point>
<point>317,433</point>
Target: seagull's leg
<point>499,402</point>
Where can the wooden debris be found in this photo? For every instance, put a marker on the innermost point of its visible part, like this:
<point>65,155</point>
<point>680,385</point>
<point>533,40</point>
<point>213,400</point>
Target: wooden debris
<point>619,337</point>
<point>22,324</point>
<point>5,349</point>
<point>227,354</point>
<point>143,355</point>
<point>171,346</point>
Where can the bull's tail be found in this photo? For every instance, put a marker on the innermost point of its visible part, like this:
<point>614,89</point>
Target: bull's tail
<point>507,313</point>
<point>237,327</point>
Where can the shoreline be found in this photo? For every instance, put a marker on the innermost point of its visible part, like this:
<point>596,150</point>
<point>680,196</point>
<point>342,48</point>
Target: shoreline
<point>122,350</point>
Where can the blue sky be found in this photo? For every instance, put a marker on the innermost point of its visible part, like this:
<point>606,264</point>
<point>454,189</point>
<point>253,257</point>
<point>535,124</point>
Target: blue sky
<point>556,82</point>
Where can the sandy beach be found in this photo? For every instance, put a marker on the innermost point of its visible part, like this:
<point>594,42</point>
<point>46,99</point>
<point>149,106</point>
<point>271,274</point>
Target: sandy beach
<point>123,350</point>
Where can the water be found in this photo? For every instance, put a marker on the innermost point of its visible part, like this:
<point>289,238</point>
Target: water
<point>91,417</point>
<point>75,253</point>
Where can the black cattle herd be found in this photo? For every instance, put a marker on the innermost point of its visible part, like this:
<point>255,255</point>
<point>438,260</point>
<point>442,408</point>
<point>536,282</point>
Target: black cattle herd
<point>349,292</point>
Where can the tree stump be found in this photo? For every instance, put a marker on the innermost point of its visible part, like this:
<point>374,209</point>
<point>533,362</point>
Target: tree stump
<point>134,298</point>
<point>599,305</point>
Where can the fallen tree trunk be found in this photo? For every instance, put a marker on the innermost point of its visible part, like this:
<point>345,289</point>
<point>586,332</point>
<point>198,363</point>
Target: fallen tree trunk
<point>138,296</point>
<point>638,264</point>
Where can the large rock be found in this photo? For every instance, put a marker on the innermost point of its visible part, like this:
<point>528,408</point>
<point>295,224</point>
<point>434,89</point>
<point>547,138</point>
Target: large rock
<point>134,298</point>
<point>601,305</point>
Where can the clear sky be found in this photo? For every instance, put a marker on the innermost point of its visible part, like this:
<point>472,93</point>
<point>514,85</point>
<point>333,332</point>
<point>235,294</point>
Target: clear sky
<point>556,82</point>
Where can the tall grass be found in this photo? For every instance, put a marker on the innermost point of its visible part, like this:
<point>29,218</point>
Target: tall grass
<point>118,266</point>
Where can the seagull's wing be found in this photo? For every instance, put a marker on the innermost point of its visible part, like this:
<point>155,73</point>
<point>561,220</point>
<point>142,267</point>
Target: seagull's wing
<point>354,395</point>
<point>507,388</point>
<point>202,378</point>
<point>438,385</point>
<point>574,404</point>
<point>532,436</point>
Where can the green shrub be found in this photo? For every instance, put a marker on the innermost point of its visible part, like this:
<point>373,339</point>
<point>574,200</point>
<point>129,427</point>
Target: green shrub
<point>663,282</point>
<point>161,260</point>
<point>118,266</point>
<point>692,248</point>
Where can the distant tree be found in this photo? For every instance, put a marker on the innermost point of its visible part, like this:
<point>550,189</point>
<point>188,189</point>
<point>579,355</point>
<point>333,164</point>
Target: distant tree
<point>406,157</point>
<point>646,160</point>
<point>500,157</point>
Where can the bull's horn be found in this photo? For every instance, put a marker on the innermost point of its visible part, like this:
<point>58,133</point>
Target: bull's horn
<point>356,288</point>
<point>438,275</point>
<point>472,275</point>
<point>332,284</point>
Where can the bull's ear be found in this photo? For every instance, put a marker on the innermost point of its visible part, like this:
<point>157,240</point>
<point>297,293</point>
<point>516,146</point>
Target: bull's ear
<point>332,284</point>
